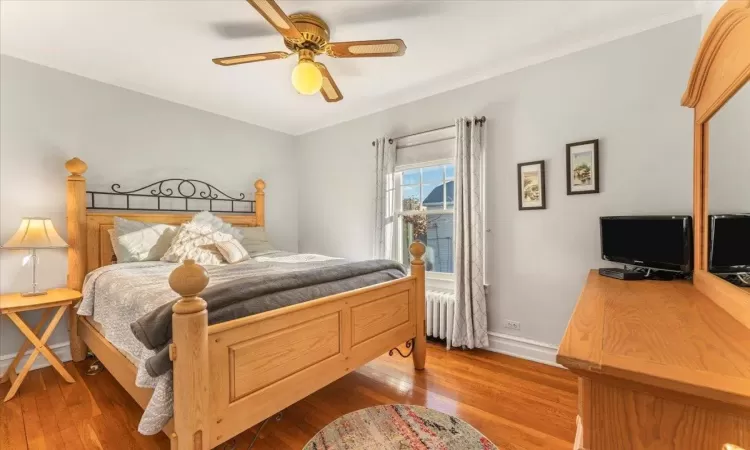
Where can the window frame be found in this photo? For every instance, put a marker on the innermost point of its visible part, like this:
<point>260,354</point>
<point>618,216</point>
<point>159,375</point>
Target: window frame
<point>399,213</point>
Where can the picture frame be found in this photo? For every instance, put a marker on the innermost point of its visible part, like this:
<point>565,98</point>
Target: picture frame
<point>582,167</point>
<point>532,188</point>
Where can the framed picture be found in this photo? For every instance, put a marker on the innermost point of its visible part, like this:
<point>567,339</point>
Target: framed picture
<point>532,192</point>
<point>582,167</point>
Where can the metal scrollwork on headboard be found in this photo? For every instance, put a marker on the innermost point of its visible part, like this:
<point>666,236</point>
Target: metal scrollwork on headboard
<point>174,189</point>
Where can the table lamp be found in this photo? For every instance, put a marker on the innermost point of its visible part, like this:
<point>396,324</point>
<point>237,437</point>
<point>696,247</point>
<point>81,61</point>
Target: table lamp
<point>34,233</point>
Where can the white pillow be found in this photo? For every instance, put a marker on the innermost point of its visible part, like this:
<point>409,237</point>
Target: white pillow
<point>141,241</point>
<point>255,240</point>
<point>197,242</point>
<point>115,246</point>
<point>232,251</point>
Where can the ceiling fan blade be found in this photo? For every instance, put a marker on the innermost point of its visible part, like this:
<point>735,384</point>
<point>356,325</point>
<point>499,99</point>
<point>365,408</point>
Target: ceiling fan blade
<point>276,17</point>
<point>253,57</point>
<point>329,91</point>
<point>364,49</point>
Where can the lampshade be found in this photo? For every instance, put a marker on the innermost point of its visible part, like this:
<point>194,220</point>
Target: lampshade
<point>306,78</point>
<point>35,232</point>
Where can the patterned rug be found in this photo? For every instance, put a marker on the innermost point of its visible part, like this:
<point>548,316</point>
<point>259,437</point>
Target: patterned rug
<point>398,427</point>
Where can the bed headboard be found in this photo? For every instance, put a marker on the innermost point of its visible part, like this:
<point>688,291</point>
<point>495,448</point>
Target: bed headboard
<point>175,201</point>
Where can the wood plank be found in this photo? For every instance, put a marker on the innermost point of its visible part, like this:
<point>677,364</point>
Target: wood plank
<point>54,297</point>
<point>87,435</point>
<point>373,318</point>
<point>71,439</point>
<point>12,430</point>
<point>55,398</point>
<point>77,396</point>
<point>31,421</point>
<point>257,363</point>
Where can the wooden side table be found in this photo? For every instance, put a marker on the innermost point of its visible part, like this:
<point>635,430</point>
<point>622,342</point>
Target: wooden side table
<point>55,300</point>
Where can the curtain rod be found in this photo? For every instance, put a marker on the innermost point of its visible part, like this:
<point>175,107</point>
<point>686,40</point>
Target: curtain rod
<point>480,121</point>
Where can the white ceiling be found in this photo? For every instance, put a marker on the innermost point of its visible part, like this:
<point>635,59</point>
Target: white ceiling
<point>164,48</point>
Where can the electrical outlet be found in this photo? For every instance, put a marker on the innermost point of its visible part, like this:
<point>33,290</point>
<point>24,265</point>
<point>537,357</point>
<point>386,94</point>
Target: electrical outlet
<point>512,324</point>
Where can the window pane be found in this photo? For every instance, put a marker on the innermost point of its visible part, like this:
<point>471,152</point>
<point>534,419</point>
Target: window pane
<point>436,232</point>
<point>411,200</point>
<point>449,189</point>
<point>450,171</point>
<point>432,195</point>
<point>411,176</point>
<point>432,174</point>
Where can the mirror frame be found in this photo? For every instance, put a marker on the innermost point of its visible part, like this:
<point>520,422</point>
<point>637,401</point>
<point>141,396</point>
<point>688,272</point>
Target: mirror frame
<point>721,68</point>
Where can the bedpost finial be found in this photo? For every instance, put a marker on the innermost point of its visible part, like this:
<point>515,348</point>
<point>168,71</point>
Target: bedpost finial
<point>188,280</point>
<point>76,167</point>
<point>417,250</point>
<point>260,185</point>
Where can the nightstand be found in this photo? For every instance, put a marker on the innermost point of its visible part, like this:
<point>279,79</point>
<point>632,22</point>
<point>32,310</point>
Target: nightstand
<point>54,303</point>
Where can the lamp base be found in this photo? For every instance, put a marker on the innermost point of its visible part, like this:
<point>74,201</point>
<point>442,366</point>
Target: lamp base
<point>33,294</point>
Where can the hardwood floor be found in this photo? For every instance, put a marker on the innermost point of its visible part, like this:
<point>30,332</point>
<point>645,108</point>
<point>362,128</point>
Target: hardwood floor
<point>518,404</point>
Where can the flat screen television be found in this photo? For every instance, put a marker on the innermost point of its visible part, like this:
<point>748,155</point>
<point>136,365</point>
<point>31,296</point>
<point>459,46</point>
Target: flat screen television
<point>656,242</point>
<point>729,243</point>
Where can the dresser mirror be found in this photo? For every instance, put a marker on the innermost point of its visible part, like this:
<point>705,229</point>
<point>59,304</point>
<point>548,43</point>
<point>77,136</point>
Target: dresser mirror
<point>728,220</point>
<point>719,94</point>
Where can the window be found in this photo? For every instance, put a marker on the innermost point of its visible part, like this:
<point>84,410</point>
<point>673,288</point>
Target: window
<point>426,215</point>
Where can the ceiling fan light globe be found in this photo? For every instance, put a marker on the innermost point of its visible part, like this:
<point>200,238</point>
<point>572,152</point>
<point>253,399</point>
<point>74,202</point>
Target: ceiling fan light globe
<point>306,78</point>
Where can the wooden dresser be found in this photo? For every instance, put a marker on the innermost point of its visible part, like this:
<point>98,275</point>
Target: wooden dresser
<point>661,366</point>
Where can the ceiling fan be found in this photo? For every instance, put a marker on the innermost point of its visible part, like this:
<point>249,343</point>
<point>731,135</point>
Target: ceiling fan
<point>307,35</point>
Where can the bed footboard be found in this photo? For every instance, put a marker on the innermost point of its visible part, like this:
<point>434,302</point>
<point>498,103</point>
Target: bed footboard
<point>230,376</point>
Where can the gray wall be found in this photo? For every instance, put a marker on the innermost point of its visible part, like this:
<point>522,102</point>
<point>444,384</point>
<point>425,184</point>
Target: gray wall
<point>48,116</point>
<point>626,93</point>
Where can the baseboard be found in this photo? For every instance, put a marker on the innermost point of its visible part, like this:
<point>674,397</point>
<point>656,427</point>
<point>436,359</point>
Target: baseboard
<point>523,348</point>
<point>62,350</point>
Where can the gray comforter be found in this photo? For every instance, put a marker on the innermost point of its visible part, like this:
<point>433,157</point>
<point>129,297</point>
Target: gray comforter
<point>254,294</point>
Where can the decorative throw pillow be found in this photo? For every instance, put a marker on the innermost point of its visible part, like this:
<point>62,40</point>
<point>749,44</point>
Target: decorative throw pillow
<point>197,242</point>
<point>232,251</point>
<point>141,241</point>
<point>255,240</point>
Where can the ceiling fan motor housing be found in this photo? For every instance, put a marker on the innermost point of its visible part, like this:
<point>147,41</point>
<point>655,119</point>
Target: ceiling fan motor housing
<point>314,31</point>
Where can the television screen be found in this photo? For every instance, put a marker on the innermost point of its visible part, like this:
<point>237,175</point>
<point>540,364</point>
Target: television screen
<point>658,242</point>
<point>729,243</point>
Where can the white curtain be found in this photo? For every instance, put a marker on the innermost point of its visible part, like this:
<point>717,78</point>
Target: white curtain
<point>385,194</point>
<point>470,317</point>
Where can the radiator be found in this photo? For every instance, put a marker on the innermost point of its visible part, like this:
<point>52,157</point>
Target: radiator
<point>440,308</point>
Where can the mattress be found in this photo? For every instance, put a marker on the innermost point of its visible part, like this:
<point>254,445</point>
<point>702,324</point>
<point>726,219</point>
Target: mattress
<point>98,327</point>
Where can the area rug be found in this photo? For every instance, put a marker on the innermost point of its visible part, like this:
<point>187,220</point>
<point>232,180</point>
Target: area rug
<point>398,427</point>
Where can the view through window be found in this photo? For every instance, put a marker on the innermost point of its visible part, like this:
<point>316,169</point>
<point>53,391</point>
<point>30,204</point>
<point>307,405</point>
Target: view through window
<point>427,214</point>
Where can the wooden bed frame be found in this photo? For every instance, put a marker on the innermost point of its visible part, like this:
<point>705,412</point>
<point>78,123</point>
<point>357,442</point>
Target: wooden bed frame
<point>260,364</point>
